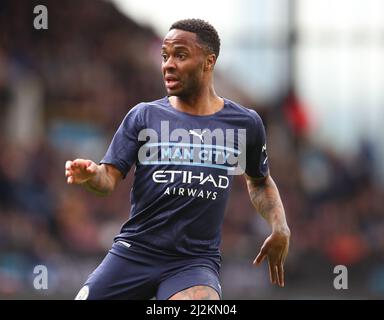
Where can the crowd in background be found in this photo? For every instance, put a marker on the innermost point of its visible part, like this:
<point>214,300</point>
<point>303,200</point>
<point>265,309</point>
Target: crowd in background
<point>64,91</point>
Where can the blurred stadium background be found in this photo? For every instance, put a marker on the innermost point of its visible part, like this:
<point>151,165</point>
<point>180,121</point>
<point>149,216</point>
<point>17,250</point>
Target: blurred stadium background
<point>313,69</point>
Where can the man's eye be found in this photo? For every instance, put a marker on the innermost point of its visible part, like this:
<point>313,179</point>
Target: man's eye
<point>164,56</point>
<point>181,56</point>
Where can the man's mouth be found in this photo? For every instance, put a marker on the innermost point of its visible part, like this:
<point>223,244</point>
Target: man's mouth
<point>171,82</point>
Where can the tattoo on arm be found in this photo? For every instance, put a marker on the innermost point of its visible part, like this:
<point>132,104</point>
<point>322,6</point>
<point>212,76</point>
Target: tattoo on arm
<point>101,184</point>
<point>265,197</point>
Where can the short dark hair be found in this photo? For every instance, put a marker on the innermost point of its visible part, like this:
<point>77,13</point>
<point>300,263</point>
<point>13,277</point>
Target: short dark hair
<point>205,32</point>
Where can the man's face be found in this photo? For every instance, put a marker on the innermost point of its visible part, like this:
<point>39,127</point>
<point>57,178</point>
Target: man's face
<point>183,63</point>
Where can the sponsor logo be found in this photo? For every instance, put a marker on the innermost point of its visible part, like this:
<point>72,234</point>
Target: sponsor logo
<point>194,133</point>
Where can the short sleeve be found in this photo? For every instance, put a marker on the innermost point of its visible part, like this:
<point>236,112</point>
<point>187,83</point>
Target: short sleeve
<point>123,150</point>
<point>256,153</point>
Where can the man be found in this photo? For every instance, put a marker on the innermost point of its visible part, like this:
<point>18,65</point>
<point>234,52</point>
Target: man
<point>169,248</point>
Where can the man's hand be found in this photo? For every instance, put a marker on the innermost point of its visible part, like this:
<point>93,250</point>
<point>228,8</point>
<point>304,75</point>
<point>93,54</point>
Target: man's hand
<point>275,247</point>
<point>80,171</point>
<point>265,198</point>
<point>100,179</point>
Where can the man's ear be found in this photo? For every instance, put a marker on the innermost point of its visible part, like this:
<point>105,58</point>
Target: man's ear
<point>210,62</point>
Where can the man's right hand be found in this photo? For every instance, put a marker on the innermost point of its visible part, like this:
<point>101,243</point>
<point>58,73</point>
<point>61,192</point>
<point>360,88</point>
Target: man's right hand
<point>79,171</point>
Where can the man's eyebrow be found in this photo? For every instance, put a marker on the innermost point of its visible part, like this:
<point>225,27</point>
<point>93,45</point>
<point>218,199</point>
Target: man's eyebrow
<point>177,47</point>
<point>181,47</point>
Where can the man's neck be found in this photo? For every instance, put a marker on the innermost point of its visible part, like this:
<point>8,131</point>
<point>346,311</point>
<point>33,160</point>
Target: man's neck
<point>199,104</point>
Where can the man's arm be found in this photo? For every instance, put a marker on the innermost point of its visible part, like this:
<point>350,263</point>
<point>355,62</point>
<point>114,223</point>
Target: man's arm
<point>266,200</point>
<point>100,179</point>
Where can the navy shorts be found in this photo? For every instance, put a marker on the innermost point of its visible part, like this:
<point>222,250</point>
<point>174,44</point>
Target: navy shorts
<point>131,273</point>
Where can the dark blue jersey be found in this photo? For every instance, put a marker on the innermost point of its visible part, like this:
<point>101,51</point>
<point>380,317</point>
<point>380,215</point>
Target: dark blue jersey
<point>184,168</point>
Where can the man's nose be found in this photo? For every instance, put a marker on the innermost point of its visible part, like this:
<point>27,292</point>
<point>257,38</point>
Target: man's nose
<point>169,63</point>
